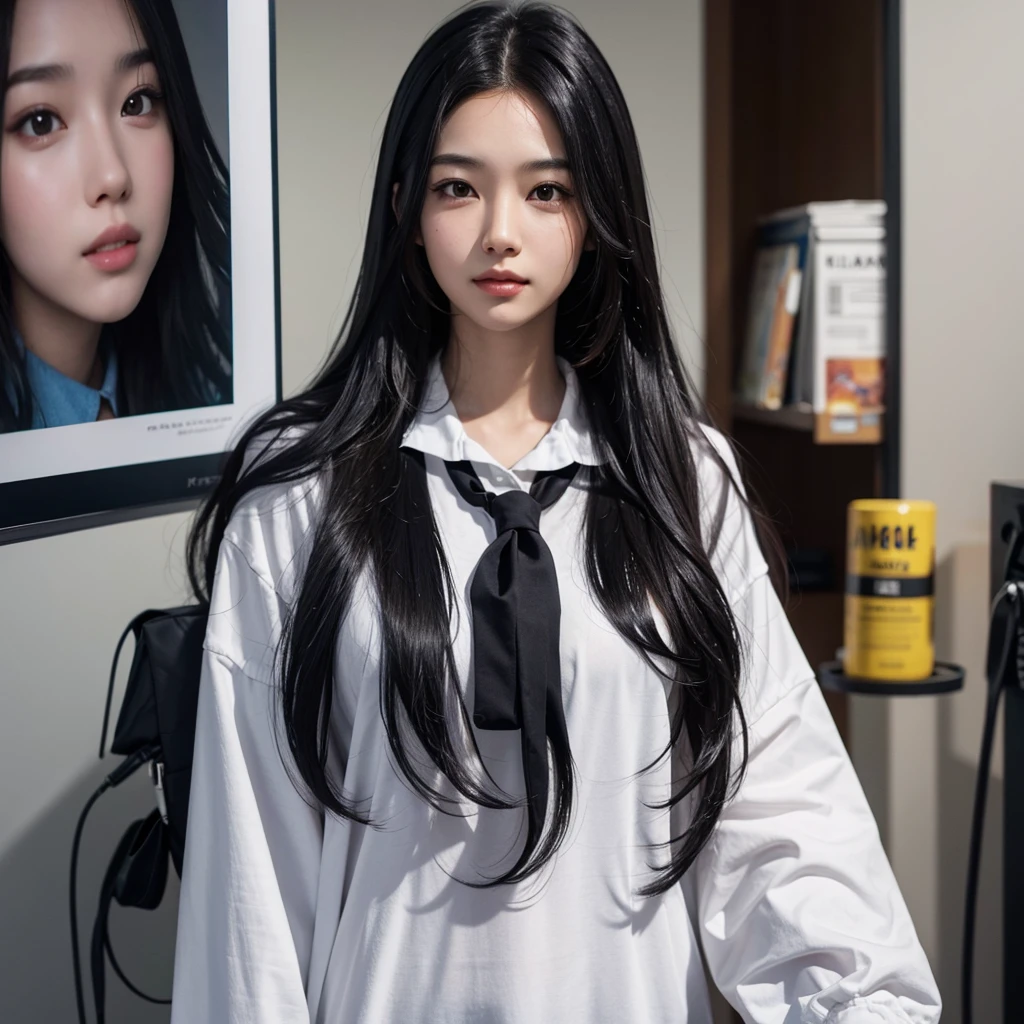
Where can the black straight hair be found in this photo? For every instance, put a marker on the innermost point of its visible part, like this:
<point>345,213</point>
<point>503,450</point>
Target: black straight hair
<point>174,349</point>
<point>644,543</point>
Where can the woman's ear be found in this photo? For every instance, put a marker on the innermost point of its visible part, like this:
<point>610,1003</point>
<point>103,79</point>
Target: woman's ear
<point>417,238</point>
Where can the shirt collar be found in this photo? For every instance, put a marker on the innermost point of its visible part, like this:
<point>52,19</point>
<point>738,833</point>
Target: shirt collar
<point>437,430</point>
<point>59,400</point>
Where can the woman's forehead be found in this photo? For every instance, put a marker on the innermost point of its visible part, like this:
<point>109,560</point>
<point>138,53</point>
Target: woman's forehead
<point>78,34</point>
<point>502,128</point>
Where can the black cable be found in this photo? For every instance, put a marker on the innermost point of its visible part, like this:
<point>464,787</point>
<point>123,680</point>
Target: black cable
<point>110,686</point>
<point>120,973</point>
<point>115,778</point>
<point>79,995</point>
<point>1006,614</point>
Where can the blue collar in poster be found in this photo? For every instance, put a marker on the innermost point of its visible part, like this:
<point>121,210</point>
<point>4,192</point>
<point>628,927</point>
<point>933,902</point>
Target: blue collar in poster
<point>59,400</point>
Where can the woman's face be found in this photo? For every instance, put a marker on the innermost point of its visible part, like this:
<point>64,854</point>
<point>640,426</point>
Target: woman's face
<point>499,198</point>
<point>86,160</point>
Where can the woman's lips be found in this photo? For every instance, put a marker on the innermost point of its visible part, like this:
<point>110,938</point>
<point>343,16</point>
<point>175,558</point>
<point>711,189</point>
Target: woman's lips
<point>114,248</point>
<point>117,256</point>
<point>502,289</point>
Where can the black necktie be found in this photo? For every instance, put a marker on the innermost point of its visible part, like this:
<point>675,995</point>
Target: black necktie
<point>516,614</point>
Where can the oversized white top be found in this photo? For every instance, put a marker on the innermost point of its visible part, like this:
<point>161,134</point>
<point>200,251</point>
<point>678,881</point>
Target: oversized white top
<point>289,916</point>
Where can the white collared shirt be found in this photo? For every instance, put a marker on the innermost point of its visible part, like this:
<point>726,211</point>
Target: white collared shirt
<point>288,916</point>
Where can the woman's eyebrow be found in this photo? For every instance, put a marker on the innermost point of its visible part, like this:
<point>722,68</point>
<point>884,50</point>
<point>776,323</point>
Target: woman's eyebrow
<point>40,73</point>
<point>133,60</point>
<point>64,72</point>
<point>459,160</point>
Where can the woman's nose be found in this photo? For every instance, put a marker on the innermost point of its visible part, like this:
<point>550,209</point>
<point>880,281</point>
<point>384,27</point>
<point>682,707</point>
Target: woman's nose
<point>502,230</point>
<point>107,175</point>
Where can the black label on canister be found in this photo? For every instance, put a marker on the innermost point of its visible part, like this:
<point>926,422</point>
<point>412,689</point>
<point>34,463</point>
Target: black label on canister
<point>889,586</point>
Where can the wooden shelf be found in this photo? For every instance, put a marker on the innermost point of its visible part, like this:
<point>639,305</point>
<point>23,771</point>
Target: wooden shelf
<point>790,417</point>
<point>826,428</point>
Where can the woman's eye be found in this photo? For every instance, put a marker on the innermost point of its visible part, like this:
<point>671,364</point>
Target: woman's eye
<point>38,124</point>
<point>457,189</point>
<point>139,104</point>
<point>551,194</point>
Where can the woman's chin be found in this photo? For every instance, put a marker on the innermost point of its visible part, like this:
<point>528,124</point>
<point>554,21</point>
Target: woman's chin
<point>112,307</point>
<point>503,318</point>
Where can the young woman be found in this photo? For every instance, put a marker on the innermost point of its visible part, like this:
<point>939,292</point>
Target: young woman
<point>114,259</point>
<point>501,719</point>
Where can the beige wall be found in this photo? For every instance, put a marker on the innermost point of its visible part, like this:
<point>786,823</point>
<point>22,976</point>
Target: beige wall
<point>65,600</point>
<point>963,353</point>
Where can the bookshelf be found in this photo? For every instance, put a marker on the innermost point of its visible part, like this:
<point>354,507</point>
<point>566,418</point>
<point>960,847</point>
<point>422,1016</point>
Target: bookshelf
<point>796,111</point>
<point>801,105</point>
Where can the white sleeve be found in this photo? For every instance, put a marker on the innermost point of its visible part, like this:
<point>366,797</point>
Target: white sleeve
<point>253,844</point>
<point>800,916</point>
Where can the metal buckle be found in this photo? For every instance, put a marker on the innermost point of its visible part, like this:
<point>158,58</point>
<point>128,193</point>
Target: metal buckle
<point>156,773</point>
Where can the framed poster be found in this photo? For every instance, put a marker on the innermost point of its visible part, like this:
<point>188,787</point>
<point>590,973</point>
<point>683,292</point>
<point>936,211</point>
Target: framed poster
<point>139,279</point>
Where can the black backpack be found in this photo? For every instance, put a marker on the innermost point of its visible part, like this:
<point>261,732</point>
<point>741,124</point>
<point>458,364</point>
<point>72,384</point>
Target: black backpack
<point>156,727</point>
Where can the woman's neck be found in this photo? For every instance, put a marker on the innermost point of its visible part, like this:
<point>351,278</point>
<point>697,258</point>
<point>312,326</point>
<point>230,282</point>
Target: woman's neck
<point>505,385</point>
<point>60,338</point>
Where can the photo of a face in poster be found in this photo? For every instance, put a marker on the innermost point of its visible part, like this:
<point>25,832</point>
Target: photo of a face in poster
<point>122,246</point>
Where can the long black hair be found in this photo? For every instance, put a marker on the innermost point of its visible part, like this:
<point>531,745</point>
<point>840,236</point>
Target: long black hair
<point>174,348</point>
<point>348,424</point>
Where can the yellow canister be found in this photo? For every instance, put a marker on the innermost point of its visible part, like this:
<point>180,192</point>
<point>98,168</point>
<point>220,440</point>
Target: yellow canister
<point>890,590</point>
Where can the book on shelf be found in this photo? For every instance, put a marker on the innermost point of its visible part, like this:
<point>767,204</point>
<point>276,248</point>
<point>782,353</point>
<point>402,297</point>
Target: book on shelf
<point>775,290</point>
<point>815,336</point>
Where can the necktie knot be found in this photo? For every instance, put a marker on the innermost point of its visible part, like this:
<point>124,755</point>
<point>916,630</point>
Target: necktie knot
<point>515,510</point>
